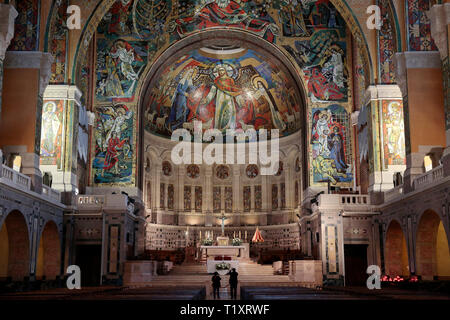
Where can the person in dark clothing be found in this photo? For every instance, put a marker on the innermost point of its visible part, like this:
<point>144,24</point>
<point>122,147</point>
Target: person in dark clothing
<point>233,283</point>
<point>216,285</point>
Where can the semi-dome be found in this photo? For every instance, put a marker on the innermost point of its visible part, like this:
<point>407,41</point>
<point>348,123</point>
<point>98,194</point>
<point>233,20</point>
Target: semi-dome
<point>224,87</point>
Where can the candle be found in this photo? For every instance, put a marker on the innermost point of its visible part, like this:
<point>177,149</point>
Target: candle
<point>200,234</point>
<point>239,234</point>
<point>245,234</point>
<point>234,234</point>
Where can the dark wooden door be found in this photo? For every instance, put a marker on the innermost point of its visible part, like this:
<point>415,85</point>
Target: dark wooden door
<point>355,264</point>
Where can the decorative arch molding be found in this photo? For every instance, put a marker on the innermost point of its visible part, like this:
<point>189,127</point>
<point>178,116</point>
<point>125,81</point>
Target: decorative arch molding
<point>102,8</point>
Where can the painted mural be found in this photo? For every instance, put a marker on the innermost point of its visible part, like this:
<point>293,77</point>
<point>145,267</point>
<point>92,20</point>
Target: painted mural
<point>198,198</point>
<point>52,132</point>
<point>239,91</point>
<point>393,133</point>
<point>26,27</point>
<point>113,162</point>
<point>274,196</point>
<point>419,29</point>
<point>162,193</point>
<point>331,145</point>
<point>119,65</point>
<point>170,196</point>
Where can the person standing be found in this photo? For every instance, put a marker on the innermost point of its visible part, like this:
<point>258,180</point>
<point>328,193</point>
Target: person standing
<point>216,285</point>
<point>233,283</point>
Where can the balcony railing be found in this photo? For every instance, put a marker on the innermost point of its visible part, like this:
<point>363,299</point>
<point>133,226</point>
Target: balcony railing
<point>345,201</point>
<point>428,178</point>
<point>15,178</point>
<point>393,193</point>
<point>51,193</point>
<point>108,202</point>
<point>20,181</point>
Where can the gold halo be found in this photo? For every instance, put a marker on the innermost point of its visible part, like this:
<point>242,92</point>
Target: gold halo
<point>258,78</point>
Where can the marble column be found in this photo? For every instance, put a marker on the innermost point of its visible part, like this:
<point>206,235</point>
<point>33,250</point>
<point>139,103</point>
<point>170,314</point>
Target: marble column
<point>7,16</point>
<point>440,21</point>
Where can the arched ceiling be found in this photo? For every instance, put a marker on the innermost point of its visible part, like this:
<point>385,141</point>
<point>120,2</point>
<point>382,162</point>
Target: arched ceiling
<point>225,85</point>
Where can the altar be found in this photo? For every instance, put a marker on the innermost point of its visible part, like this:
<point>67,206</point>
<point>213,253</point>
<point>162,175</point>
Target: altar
<point>220,251</point>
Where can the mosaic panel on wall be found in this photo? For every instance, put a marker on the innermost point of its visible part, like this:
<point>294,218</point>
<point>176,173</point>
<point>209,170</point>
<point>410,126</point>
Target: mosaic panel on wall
<point>133,31</point>
<point>187,197</point>
<point>247,198</point>
<point>252,171</point>
<point>52,133</point>
<point>418,23</point>
<point>113,154</point>
<point>296,193</point>
<point>258,198</point>
<point>58,43</point>
<point>193,171</point>
<point>331,155</point>
<point>222,172</point>
<point>393,130</point>
<point>26,27</point>
<point>283,195</point>
<point>386,43</point>
<point>228,199</point>
<point>217,199</point>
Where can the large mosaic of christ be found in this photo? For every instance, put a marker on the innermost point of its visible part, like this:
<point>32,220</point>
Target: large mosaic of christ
<point>239,92</point>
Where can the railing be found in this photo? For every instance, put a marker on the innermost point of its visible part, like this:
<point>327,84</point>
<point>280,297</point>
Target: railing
<point>16,178</point>
<point>428,178</point>
<point>393,193</point>
<point>108,202</point>
<point>345,201</point>
<point>51,193</point>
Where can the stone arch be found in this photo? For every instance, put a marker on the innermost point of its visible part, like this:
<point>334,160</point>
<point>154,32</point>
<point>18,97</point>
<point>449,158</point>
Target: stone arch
<point>48,263</point>
<point>396,251</point>
<point>14,247</point>
<point>432,247</point>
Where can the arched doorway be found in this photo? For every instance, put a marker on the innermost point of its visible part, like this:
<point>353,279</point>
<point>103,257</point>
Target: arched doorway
<point>396,252</point>
<point>432,251</point>
<point>14,248</point>
<point>49,253</point>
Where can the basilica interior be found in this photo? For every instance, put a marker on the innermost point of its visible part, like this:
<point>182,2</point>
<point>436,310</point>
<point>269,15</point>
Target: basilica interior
<point>100,98</point>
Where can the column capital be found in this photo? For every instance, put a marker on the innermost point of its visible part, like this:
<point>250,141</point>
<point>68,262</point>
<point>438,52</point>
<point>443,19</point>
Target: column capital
<point>440,18</point>
<point>382,92</point>
<point>7,16</point>
<point>31,60</point>
<point>63,92</point>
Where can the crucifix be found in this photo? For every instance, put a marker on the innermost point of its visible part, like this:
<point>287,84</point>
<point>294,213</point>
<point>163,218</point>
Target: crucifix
<point>223,218</point>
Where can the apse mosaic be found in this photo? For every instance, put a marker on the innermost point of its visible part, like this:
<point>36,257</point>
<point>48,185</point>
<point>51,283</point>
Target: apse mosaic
<point>113,161</point>
<point>224,91</point>
<point>331,145</point>
<point>393,133</point>
<point>240,92</point>
<point>52,132</point>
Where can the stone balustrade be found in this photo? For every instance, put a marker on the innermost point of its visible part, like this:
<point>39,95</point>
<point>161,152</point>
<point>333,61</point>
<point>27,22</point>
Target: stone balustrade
<point>393,193</point>
<point>347,202</point>
<point>428,178</point>
<point>51,193</point>
<point>14,178</point>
